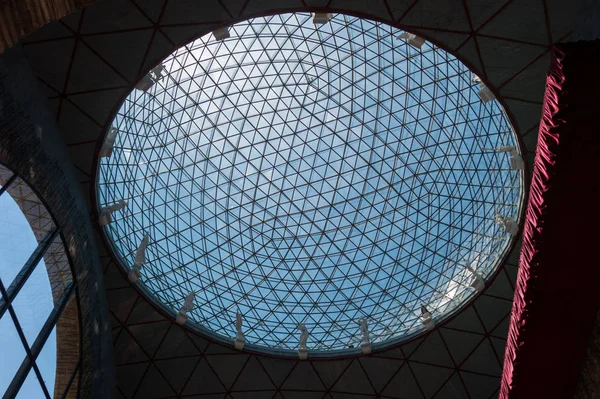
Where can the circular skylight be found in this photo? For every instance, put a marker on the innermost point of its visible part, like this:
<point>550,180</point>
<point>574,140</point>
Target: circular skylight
<point>316,174</point>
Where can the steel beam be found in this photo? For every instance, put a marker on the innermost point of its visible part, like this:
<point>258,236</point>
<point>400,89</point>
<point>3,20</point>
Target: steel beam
<point>7,184</point>
<point>38,344</point>
<point>21,278</point>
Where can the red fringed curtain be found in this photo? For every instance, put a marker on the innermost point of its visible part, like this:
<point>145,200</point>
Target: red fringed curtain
<point>558,285</point>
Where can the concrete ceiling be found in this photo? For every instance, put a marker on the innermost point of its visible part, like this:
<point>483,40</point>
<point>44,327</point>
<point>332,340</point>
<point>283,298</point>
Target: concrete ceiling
<point>88,61</point>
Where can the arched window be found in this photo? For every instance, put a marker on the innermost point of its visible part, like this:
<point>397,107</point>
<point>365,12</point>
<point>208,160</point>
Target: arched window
<point>39,323</point>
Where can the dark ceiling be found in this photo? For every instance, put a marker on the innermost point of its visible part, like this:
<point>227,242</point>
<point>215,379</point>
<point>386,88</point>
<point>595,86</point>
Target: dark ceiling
<point>99,53</point>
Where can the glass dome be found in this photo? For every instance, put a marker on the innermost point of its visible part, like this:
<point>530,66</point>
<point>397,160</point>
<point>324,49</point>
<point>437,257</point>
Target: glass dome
<point>317,174</point>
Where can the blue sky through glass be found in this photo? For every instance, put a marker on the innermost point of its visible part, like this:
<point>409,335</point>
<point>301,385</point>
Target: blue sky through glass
<point>316,174</point>
<point>32,305</point>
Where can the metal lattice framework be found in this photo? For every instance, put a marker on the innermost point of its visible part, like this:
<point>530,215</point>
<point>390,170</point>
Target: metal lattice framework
<point>22,298</point>
<point>55,258</point>
<point>311,173</point>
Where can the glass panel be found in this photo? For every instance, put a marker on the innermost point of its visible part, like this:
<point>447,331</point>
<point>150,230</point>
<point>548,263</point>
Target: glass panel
<point>25,221</point>
<point>35,212</point>
<point>31,387</point>
<point>13,352</point>
<point>34,303</point>
<point>46,362</point>
<point>317,174</point>
<point>17,240</point>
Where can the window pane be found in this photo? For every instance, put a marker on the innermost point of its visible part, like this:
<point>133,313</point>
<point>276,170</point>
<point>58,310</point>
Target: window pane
<point>31,388</point>
<point>25,222</point>
<point>13,352</point>
<point>34,303</point>
<point>46,361</point>
<point>17,240</point>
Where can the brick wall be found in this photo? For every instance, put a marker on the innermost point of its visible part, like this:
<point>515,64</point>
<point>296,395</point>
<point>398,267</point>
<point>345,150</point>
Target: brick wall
<point>67,350</point>
<point>31,145</point>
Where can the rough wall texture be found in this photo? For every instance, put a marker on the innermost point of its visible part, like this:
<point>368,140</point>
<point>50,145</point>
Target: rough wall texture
<point>67,350</point>
<point>588,386</point>
<point>18,18</point>
<point>32,146</point>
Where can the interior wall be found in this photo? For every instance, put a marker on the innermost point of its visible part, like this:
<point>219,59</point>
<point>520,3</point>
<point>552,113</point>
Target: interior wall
<point>555,303</point>
<point>32,146</point>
